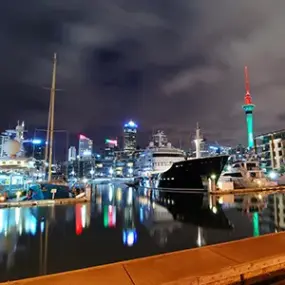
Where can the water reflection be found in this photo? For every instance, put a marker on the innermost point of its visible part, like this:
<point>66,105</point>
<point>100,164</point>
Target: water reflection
<point>21,227</point>
<point>265,212</point>
<point>122,223</point>
<point>166,214</point>
<point>82,217</point>
<point>115,200</point>
<point>275,212</point>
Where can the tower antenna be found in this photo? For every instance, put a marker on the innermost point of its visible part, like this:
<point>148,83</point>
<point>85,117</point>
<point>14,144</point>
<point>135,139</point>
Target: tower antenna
<point>247,98</point>
<point>248,108</point>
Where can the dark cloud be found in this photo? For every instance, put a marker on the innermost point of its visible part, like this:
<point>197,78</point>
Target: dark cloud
<point>166,64</point>
<point>281,117</point>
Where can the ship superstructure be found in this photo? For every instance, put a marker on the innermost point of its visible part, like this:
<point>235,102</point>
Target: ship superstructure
<point>158,156</point>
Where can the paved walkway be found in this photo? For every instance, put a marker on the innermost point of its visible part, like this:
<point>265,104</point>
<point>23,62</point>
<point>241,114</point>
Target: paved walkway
<point>216,264</point>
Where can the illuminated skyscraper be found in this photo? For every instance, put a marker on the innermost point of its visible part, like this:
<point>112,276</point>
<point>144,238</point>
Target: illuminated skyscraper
<point>271,147</point>
<point>110,147</point>
<point>39,149</point>
<point>85,147</point>
<point>111,143</point>
<point>130,136</point>
<point>35,148</point>
<point>3,140</point>
<point>248,108</point>
<point>72,153</point>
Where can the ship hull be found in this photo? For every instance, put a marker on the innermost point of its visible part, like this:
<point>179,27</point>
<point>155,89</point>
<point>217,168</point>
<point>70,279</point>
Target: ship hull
<point>62,191</point>
<point>44,192</point>
<point>192,174</point>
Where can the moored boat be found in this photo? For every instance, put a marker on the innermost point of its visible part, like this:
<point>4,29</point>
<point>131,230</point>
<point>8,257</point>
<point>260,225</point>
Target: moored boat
<point>192,174</point>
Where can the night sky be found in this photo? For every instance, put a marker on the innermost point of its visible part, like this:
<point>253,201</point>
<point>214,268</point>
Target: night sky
<point>163,63</point>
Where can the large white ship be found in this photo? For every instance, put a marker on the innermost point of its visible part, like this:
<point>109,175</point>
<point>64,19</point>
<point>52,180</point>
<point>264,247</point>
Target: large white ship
<point>158,157</point>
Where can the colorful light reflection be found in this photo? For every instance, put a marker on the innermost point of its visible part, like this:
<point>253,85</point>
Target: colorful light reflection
<point>82,220</point>
<point>255,222</point>
<point>78,220</point>
<point>20,219</point>
<point>109,216</point>
<point>130,237</point>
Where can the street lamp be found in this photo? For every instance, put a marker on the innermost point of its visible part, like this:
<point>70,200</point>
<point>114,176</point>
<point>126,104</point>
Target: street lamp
<point>213,176</point>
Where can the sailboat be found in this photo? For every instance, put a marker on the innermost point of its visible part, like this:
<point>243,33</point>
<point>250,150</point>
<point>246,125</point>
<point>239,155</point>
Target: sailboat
<point>51,189</point>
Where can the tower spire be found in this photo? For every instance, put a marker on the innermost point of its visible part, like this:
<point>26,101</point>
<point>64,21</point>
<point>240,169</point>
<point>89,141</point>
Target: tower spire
<point>247,97</point>
<point>248,108</point>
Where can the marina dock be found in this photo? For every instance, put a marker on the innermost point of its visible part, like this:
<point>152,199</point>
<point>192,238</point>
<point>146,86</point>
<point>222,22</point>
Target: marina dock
<point>249,260</point>
<point>273,189</point>
<point>42,202</point>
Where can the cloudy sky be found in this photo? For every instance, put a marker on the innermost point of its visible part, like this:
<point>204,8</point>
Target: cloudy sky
<point>164,63</point>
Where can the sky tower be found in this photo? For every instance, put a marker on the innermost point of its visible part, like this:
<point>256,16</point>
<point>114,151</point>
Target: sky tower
<point>248,108</point>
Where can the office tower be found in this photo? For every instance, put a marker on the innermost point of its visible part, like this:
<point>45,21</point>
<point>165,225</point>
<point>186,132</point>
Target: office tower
<point>85,148</point>
<point>72,153</point>
<point>130,136</point>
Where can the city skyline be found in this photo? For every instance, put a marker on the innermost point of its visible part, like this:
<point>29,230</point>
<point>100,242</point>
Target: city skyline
<point>140,60</point>
<point>63,140</point>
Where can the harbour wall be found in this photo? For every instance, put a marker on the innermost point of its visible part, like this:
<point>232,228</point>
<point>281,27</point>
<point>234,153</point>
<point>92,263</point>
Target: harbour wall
<point>239,262</point>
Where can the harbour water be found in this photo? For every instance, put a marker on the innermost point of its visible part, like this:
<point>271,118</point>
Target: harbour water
<point>119,224</point>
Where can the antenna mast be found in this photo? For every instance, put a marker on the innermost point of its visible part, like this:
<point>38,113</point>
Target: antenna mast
<point>198,141</point>
<point>247,98</point>
<point>51,116</point>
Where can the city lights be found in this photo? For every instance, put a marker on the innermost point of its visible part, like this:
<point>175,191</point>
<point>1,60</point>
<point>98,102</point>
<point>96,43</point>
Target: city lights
<point>131,124</point>
<point>112,142</point>
<point>273,175</point>
<point>36,141</point>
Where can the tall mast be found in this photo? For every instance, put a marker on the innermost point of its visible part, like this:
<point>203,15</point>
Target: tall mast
<point>198,141</point>
<point>48,133</point>
<point>51,115</point>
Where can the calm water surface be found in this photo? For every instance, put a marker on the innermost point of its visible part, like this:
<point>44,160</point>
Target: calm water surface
<point>120,224</point>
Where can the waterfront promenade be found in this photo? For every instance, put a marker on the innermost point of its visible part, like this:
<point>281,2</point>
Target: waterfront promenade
<point>228,263</point>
